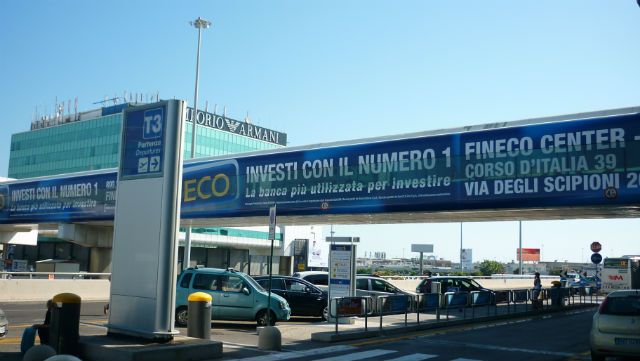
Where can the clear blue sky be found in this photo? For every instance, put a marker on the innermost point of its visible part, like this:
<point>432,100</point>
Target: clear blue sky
<point>334,70</point>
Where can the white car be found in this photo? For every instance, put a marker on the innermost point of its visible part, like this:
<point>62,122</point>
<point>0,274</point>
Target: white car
<point>4,324</point>
<point>615,330</point>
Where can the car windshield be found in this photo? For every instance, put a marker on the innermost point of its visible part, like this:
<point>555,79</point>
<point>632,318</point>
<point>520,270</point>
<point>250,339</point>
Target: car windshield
<point>475,284</point>
<point>254,283</point>
<point>622,306</point>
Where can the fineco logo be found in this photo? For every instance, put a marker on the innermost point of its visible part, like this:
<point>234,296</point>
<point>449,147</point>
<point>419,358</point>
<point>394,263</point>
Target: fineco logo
<point>211,183</point>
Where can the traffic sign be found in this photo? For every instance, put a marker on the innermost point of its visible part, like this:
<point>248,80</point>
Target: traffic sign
<point>272,222</point>
<point>143,141</point>
<point>596,247</point>
<point>596,258</point>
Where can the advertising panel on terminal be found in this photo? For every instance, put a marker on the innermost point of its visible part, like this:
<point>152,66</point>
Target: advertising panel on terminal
<point>318,253</point>
<point>466,257</point>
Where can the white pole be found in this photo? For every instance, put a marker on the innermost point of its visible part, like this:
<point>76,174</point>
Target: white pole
<point>199,23</point>
<point>520,249</point>
<point>460,246</point>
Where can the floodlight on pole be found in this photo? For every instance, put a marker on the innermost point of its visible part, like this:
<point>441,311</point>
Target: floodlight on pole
<point>199,23</point>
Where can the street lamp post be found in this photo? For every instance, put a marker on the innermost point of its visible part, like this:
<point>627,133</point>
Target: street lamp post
<point>199,23</point>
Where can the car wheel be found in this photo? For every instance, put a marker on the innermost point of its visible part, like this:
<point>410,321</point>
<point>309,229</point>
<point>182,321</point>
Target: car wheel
<point>325,313</point>
<point>261,318</point>
<point>597,357</point>
<point>182,315</point>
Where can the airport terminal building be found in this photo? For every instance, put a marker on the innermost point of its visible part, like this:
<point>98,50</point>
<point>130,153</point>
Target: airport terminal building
<point>91,141</point>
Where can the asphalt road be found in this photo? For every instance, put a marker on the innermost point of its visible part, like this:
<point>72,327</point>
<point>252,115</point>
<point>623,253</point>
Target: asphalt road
<point>555,337</point>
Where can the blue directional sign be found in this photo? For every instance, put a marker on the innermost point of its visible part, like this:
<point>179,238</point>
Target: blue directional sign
<point>143,140</point>
<point>596,258</point>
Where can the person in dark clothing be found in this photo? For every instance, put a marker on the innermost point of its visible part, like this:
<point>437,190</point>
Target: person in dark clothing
<point>43,329</point>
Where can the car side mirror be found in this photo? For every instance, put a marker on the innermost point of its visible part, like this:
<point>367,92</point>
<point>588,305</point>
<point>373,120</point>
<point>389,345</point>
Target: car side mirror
<point>308,290</point>
<point>246,291</point>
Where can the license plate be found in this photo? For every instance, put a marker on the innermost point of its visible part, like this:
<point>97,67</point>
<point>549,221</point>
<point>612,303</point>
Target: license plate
<point>627,341</point>
<point>3,329</point>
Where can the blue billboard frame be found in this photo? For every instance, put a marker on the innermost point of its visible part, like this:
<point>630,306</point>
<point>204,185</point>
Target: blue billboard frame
<point>584,162</point>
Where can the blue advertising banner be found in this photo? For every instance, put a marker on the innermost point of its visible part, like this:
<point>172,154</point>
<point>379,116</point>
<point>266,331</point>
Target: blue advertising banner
<point>90,197</point>
<point>588,162</point>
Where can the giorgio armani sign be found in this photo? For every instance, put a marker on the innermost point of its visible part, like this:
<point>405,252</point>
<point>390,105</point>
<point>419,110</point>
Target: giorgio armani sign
<point>237,127</point>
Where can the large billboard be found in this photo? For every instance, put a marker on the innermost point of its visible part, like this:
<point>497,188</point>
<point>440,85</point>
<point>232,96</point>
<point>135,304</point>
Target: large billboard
<point>529,254</point>
<point>587,162</point>
<point>318,253</point>
<point>466,258</point>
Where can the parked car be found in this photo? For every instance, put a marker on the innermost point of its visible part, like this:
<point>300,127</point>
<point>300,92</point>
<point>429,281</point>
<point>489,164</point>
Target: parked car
<point>318,278</point>
<point>366,285</point>
<point>450,284</point>
<point>304,298</point>
<point>615,330</point>
<point>4,324</point>
<point>375,287</point>
<point>235,296</point>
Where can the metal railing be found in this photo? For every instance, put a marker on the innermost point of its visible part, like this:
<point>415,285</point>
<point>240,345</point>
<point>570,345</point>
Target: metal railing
<point>503,302</point>
<point>350,307</point>
<point>53,275</point>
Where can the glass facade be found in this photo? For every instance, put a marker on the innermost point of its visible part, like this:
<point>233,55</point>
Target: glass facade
<point>95,143</point>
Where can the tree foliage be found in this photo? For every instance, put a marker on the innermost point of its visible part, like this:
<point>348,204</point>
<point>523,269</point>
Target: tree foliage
<point>487,268</point>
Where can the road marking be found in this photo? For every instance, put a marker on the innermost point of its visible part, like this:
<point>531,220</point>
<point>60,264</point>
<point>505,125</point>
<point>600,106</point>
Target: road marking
<point>414,357</point>
<point>11,341</point>
<point>358,355</point>
<point>500,348</point>
<point>578,355</point>
<point>297,354</point>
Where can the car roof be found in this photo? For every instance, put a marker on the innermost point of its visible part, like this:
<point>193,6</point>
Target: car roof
<point>624,293</point>
<point>263,277</point>
<point>212,270</point>
<point>307,273</point>
<point>277,276</point>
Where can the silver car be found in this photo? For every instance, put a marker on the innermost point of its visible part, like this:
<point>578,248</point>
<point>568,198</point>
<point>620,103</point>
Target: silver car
<point>615,330</point>
<point>376,287</point>
<point>4,324</point>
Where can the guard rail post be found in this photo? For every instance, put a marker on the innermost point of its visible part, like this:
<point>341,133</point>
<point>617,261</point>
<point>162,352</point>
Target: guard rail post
<point>337,313</point>
<point>65,323</point>
<point>418,296</point>
<point>379,302</point>
<point>199,311</point>
<point>406,310</point>
<point>365,312</point>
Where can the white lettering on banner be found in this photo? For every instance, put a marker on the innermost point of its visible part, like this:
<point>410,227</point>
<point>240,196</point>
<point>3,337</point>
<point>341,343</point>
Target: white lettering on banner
<point>272,172</point>
<point>76,190</point>
<point>515,186</point>
<point>568,142</point>
<point>317,168</point>
<point>585,182</point>
<point>499,148</point>
<point>397,161</point>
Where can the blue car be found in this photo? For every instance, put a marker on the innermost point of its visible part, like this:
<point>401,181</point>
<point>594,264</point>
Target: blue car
<point>235,296</point>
